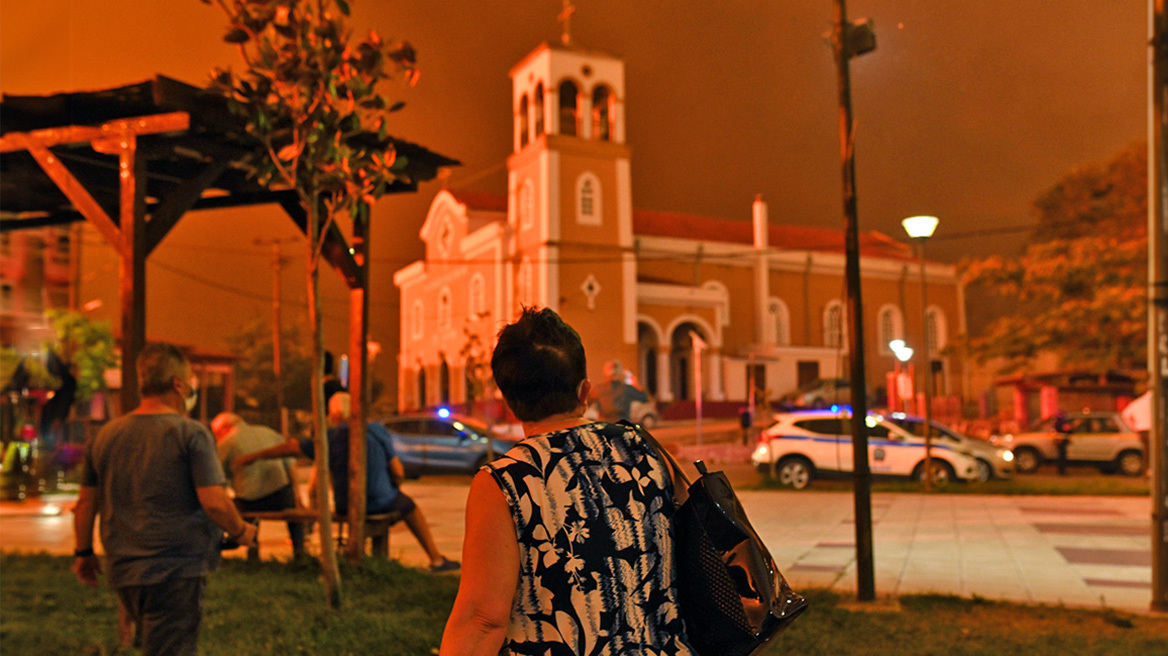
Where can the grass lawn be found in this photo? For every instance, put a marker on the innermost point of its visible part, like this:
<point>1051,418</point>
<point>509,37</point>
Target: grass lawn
<point>274,608</point>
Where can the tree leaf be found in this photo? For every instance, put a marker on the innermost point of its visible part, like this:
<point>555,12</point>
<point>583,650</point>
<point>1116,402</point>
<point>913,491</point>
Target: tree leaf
<point>237,35</point>
<point>343,6</point>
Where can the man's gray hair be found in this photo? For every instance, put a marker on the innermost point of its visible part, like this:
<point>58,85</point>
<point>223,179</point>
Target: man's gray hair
<point>158,364</point>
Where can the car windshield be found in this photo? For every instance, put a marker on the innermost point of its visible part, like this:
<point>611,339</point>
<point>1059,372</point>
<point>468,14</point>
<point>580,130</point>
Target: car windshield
<point>916,427</point>
<point>469,427</point>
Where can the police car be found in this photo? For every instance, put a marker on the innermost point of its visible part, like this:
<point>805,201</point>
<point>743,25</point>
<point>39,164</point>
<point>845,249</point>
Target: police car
<point>804,445</point>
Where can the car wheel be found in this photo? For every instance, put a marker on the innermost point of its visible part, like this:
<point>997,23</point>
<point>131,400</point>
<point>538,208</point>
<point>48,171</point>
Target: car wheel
<point>649,420</point>
<point>1026,460</point>
<point>942,472</point>
<point>817,404</point>
<point>795,472</point>
<point>1130,463</point>
<point>984,471</point>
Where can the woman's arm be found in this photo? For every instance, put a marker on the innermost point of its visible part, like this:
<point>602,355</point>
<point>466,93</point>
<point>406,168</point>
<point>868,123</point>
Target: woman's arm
<point>490,574</point>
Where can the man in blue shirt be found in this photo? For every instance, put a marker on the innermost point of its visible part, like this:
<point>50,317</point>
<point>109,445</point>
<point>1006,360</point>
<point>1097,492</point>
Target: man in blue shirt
<point>383,475</point>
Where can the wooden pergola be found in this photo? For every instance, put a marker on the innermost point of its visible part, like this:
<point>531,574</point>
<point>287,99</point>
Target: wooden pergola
<point>132,160</point>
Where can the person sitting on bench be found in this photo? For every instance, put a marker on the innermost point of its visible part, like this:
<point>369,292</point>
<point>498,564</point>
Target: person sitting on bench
<point>264,486</point>
<point>383,475</point>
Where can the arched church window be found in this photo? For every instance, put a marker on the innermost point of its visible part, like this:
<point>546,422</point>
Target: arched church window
<point>526,283</point>
<point>936,331</point>
<point>588,197</point>
<point>891,326</point>
<point>833,325</point>
<point>569,115</point>
<point>602,113</point>
<point>522,118</point>
<point>778,323</point>
<point>526,204</point>
<point>478,302</point>
<point>444,311</point>
<point>539,109</point>
<point>417,320</point>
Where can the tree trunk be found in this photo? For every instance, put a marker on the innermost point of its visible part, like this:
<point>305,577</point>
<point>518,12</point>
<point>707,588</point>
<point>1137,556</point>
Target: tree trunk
<point>328,554</point>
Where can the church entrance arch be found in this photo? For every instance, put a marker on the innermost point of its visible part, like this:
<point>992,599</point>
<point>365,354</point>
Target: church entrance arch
<point>681,362</point>
<point>421,386</point>
<point>444,382</point>
<point>647,344</point>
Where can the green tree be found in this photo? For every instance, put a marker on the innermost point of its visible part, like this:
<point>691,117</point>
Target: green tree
<point>86,346</point>
<point>255,372</point>
<point>1079,287</point>
<point>314,110</point>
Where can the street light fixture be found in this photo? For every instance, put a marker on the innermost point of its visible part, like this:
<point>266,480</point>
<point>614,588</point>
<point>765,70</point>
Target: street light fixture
<point>921,228</point>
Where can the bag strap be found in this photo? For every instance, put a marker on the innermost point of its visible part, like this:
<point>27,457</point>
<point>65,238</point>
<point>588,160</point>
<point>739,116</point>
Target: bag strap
<point>680,480</point>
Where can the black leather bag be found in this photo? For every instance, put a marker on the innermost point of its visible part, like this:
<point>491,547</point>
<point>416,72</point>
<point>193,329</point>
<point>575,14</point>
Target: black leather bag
<point>732,596</point>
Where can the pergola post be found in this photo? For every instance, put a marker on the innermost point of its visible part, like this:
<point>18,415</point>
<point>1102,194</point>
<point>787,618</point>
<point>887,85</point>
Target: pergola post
<point>132,266</point>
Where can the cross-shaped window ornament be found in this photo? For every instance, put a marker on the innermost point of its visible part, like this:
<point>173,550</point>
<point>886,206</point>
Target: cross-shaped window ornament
<point>591,290</point>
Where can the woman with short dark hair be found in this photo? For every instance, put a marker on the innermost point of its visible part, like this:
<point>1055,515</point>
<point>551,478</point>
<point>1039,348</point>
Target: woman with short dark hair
<point>569,541</point>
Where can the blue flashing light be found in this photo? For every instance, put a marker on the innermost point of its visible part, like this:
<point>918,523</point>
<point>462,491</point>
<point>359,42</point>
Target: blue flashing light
<point>444,412</point>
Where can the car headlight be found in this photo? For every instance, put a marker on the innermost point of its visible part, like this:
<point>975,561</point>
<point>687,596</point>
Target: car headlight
<point>1008,456</point>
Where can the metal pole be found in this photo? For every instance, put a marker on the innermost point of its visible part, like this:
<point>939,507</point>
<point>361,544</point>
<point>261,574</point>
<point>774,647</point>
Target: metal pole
<point>862,475</point>
<point>1158,301</point>
<point>277,294</point>
<point>926,374</point>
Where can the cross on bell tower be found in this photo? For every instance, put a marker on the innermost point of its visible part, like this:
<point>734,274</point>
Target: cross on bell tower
<point>565,18</point>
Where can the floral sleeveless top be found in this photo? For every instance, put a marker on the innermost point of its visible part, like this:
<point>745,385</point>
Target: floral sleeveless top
<point>592,507</point>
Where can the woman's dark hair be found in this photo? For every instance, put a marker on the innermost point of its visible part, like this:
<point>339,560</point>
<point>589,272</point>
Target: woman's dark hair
<point>538,365</point>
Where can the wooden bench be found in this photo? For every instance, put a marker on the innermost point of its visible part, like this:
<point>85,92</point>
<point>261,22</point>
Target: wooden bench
<point>376,526</point>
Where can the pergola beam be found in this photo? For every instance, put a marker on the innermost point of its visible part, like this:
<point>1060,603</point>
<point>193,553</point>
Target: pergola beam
<point>179,201</point>
<point>74,191</point>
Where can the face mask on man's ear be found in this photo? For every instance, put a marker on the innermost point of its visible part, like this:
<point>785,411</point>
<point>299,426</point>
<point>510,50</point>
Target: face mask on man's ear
<point>189,401</point>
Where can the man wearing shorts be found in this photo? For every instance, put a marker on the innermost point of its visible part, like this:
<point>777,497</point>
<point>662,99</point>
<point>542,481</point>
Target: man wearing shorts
<point>383,475</point>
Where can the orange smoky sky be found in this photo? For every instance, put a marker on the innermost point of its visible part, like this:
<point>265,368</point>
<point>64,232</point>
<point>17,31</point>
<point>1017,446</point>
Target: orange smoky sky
<point>966,110</point>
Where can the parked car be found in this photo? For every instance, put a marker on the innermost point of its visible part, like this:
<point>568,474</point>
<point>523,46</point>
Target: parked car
<point>1098,438</point>
<point>428,443</point>
<point>819,393</point>
<point>803,445</point>
<point>992,461</point>
<point>640,412</point>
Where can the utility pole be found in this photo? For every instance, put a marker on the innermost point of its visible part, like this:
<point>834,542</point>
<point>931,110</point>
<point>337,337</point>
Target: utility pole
<point>278,261</point>
<point>850,39</point>
<point>1158,299</point>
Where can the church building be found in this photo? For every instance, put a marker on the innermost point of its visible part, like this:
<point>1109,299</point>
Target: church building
<point>763,302</point>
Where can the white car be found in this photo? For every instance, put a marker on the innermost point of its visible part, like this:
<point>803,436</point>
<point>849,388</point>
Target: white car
<point>800,446</point>
<point>1099,438</point>
<point>993,461</point>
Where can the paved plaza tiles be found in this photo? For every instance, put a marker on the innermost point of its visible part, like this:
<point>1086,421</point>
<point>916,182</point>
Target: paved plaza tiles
<point>1074,551</point>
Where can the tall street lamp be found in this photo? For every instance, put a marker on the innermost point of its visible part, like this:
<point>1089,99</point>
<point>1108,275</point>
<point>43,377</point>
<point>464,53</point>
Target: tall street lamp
<point>921,228</point>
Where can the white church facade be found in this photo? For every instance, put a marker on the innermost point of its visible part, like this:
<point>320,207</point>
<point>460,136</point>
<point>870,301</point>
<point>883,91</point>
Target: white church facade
<point>766,299</point>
